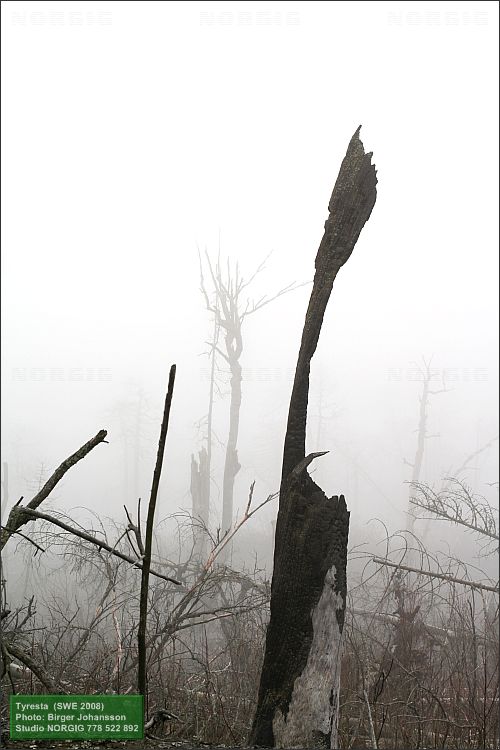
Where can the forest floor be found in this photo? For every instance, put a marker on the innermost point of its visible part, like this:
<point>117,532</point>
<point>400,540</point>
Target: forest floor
<point>147,744</point>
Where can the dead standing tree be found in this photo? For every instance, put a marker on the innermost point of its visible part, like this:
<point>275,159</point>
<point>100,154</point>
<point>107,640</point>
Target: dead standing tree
<point>142,681</point>
<point>298,697</point>
<point>423,435</point>
<point>229,312</point>
<point>201,468</point>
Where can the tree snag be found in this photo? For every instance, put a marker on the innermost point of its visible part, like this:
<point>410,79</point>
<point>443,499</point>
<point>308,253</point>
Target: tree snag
<point>142,684</point>
<point>229,316</point>
<point>298,696</point>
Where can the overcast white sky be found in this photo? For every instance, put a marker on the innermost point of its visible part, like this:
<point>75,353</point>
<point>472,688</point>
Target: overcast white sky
<point>134,132</point>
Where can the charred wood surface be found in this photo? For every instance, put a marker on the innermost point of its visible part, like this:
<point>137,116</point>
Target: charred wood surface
<point>298,696</point>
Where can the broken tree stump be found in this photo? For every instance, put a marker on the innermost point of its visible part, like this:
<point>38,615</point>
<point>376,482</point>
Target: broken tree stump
<point>299,689</point>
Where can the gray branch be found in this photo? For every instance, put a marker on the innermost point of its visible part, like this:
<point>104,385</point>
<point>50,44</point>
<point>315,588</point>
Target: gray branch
<point>17,515</point>
<point>441,576</point>
<point>94,540</point>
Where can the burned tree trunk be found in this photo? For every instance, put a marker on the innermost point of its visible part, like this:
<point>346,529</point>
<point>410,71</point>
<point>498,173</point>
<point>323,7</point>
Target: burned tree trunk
<point>298,696</point>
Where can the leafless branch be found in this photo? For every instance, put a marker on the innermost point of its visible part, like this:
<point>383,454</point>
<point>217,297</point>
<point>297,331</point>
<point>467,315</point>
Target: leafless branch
<point>442,576</point>
<point>94,540</point>
<point>17,515</point>
<point>474,455</point>
<point>456,503</point>
<point>38,548</point>
<point>28,661</point>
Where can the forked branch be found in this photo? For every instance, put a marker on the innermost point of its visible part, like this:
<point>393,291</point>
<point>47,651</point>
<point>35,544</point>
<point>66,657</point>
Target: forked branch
<point>18,515</point>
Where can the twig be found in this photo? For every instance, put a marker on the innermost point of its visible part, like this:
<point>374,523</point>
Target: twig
<point>20,533</point>
<point>230,534</point>
<point>370,721</point>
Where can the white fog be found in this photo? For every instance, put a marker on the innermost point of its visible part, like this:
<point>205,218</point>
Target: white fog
<point>139,136</point>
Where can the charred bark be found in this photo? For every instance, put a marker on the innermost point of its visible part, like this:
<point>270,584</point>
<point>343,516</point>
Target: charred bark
<point>298,697</point>
<point>142,683</point>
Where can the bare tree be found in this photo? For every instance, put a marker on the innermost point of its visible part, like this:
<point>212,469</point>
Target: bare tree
<point>427,375</point>
<point>230,310</point>
<point>201,467</point>
<point>299,688</point>
<point>132,422</point>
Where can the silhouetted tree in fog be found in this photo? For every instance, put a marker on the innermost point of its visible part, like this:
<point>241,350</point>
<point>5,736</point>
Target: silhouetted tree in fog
<point>427,375</point>
<point>230,310</point>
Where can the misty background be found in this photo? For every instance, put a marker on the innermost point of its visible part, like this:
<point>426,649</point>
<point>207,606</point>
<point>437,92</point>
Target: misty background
<point>136,134</point>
